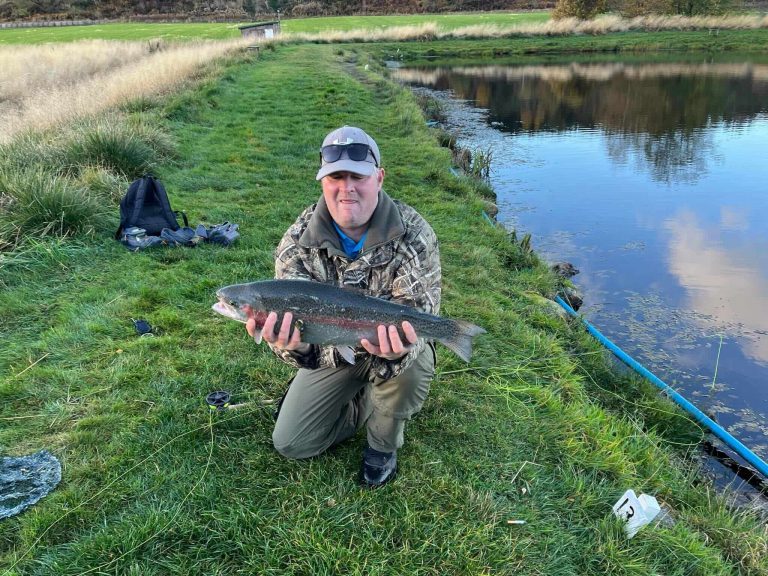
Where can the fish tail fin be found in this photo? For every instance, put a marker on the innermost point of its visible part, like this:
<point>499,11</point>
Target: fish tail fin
<point>461,341</point>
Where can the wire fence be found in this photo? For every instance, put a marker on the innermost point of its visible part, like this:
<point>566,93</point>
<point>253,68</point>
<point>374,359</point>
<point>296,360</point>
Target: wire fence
<point>51,23</point>
<point>164,19</point>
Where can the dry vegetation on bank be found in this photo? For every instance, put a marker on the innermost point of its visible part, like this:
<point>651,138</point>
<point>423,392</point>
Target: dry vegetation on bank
<point>563,27</point>
<point>45,85</point>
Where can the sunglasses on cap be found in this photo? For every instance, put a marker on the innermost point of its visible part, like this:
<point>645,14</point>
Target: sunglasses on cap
<point>356,151</point>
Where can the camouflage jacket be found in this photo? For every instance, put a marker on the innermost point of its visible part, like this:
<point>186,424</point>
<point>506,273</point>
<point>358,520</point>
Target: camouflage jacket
<point>400,261</point>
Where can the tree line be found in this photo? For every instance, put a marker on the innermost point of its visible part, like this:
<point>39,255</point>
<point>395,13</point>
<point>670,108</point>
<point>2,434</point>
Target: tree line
<point>245,9</point>
<point>240,9</point>
<point>586,9</point>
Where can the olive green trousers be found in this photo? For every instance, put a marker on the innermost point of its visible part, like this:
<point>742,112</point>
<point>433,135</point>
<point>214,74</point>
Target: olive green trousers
<point>324,407</point>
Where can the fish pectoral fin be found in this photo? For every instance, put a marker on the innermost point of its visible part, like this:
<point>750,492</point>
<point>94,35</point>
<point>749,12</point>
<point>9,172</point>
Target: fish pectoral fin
<point>257,337</point>
<point>347,352</point>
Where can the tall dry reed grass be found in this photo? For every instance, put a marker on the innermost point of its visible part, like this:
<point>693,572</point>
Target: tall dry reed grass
<point>563,27</point>
<point>27,69</point>
<point>43,86</point>
<point>426,31</point>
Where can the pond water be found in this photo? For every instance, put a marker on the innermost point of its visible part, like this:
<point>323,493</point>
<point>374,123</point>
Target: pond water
<point>651,177</point>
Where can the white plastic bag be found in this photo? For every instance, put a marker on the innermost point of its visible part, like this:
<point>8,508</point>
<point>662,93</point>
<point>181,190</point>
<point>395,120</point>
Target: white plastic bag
<point>636,511</point>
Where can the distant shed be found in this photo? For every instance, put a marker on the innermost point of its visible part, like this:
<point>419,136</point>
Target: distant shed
<point>260,30</point>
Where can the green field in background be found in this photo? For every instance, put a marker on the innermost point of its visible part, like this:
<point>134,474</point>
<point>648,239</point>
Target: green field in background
<point>120,31</point>
<point>447,21</point>
<point>220,30</point>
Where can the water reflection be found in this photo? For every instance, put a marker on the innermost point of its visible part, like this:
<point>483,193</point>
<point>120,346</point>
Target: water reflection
<point>659,110</point>
<point>725,284</point>
<point>650,178</point>
<point>672,157</point>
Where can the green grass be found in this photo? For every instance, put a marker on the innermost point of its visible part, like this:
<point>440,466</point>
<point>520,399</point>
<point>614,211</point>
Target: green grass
<point>44,204</point>
<point>120,31</point>
<point>66,182</point>
<point>445,21</point>
<point>539,427</point>
<point>212,31</point>
<point>657,44</point>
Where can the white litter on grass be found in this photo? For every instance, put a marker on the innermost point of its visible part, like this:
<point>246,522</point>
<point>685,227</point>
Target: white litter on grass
<point>637,511</point>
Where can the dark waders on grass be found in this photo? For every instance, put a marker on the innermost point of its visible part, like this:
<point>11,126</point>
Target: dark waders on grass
<point>324,407</point>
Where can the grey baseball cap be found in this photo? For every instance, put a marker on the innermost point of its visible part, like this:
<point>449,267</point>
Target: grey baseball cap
<point>344,136</point>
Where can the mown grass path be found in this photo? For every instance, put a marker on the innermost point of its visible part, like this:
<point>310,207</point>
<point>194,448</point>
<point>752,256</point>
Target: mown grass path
<point>156,484</point>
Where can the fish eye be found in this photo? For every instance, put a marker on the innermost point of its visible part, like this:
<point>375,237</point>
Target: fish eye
<point>232,303</point>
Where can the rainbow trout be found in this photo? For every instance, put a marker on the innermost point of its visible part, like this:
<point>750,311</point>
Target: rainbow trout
<point>341,317</point>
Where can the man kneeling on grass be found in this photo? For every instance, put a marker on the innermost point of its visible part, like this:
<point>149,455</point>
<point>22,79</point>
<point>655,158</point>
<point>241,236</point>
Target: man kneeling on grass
<point>356,235</point>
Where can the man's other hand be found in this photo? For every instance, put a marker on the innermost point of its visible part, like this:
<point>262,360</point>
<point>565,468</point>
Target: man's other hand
<point>391,346</point>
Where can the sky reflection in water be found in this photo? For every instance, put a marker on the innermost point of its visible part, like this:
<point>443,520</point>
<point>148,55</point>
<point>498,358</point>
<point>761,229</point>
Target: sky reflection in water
<point>651,179</point>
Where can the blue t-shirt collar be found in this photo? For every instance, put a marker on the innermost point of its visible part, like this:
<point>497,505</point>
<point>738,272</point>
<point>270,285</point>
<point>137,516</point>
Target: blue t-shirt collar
<point>351,248</point>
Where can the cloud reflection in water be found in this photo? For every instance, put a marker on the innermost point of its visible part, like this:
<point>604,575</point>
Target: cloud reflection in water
<point>721,282</point>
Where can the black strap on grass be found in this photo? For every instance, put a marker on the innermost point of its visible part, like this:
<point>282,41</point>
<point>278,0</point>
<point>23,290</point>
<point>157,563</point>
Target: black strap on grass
<point>142,326</point>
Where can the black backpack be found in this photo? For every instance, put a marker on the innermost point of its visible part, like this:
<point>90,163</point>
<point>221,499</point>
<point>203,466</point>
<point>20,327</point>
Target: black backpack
<point>146,205</point>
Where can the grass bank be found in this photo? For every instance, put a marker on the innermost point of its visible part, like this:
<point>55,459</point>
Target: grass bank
<point>538,428</point>
<point>625,43</point>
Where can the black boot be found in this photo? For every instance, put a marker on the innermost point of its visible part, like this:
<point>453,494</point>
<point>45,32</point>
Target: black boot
<point>378,468</point>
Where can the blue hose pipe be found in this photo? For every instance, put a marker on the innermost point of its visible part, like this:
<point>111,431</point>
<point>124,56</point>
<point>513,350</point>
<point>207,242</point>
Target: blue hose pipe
<point>700,417</point>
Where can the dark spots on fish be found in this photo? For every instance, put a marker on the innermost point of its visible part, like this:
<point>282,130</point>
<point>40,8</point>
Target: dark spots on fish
<point>347,323</point>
